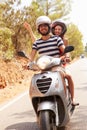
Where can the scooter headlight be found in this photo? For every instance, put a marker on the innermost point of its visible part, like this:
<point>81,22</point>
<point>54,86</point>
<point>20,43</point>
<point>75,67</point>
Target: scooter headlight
<point>43,62</point>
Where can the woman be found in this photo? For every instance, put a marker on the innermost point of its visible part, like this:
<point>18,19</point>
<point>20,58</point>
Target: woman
<point>59,28</point>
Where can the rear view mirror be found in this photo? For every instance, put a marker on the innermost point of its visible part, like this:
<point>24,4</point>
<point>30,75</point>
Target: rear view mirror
<point>68,49</point>
<point>22,54</point>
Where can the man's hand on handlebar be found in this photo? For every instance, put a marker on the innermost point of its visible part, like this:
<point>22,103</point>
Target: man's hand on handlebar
<point>31,66</point>
<point>65,59</point>
<point>26,67</point>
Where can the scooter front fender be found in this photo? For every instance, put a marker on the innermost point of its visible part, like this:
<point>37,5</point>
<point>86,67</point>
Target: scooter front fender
<point>46,105</point>
<point>51,106</point>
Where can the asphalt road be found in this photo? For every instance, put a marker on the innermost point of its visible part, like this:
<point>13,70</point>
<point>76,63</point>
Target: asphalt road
<point>18,114</point>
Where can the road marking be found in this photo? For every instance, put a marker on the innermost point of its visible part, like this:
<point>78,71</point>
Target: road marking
<point>13,101</point>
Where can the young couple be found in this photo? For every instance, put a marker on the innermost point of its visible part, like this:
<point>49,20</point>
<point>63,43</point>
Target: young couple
<point>52,45</point>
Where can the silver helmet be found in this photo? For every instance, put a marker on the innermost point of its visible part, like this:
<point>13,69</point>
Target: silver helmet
<point>41,20</point>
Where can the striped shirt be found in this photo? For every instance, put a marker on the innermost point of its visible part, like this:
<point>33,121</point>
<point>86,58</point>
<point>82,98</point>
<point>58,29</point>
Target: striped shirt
<point>48,47</point>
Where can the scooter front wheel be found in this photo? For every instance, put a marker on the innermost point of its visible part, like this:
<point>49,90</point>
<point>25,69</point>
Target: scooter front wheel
<point>46,120</point>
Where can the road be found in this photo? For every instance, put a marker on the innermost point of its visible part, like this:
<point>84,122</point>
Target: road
<point>18,114</point>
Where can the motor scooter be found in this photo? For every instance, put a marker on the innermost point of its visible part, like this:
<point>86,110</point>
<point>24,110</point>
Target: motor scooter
<point>49,93</point>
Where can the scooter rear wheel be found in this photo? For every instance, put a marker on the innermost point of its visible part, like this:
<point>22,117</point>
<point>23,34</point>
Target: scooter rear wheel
<point>46,121</point>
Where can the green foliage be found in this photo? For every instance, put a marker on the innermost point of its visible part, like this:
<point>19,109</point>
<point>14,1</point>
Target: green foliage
<point>14,19</point>
<point>2,7</point>
<point>6,45</point>
<point>75,38</point>
<point>31,14</point>
<point>86,48</point>
<point>55,8</point>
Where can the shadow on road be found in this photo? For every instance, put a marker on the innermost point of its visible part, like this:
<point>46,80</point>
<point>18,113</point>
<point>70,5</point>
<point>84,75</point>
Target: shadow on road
<point>23,126</point>
<point>26,126</point>
<point>77,122</point>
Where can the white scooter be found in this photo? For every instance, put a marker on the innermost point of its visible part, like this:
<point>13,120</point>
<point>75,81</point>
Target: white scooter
<point>51,102</point>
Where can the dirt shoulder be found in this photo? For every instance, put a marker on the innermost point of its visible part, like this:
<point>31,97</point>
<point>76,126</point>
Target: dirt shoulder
<point>13,78</point>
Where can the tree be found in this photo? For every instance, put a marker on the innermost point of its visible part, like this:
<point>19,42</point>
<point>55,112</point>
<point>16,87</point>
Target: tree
<point>6,45</point>
<point>75,38</point>
<point>14,19</point>
<point>2,7</point>
<point>85,50</point>
<point>55,8</point>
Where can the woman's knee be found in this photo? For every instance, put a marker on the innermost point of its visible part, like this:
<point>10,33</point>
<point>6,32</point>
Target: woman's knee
<point>68,76</point>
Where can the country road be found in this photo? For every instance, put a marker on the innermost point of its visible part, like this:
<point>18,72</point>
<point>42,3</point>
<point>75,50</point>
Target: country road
<point>18,113</point>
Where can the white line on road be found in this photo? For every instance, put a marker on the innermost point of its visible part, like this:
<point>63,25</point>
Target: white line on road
<point>14,100</point>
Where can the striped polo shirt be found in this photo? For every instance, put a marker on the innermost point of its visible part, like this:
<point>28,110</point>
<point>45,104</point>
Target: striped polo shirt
<point>48,47</point>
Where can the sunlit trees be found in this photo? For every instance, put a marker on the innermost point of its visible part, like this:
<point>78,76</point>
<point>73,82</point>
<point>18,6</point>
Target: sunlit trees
<point>13,17</point>
<point>55,8</point>
<point>6,46</point>
<point>75,38</point>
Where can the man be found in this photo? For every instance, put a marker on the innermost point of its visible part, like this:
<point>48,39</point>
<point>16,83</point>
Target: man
<point>49,45</point>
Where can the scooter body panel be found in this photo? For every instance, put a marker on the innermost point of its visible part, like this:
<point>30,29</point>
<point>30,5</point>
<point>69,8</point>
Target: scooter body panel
<point>50,84</point>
